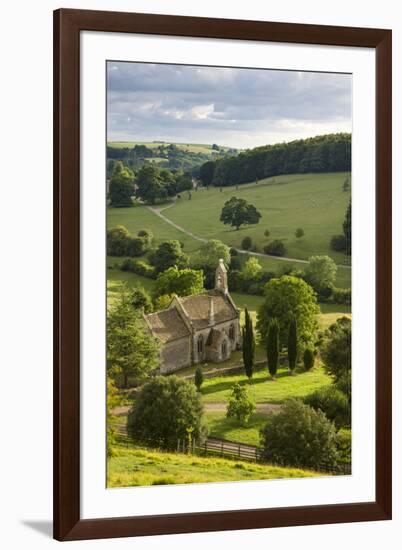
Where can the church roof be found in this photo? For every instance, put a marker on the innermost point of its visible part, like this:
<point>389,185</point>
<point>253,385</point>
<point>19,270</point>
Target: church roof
<point>167,325</point>
<point>197,308</point>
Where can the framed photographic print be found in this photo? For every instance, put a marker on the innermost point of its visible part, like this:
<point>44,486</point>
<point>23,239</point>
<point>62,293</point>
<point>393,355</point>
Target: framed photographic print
<point>222,230</point>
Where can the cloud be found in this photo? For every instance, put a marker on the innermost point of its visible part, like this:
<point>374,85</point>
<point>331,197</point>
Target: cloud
<point>237,107</point>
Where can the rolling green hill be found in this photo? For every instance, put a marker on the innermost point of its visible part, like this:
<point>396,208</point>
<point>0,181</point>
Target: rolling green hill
<point>315,202</point>
<point>140,467</point>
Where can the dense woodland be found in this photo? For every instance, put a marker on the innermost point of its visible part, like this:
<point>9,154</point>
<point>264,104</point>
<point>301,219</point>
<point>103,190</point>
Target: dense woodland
<point>329,153</point>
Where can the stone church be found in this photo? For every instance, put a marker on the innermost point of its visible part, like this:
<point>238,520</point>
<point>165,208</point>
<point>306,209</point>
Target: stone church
<point>198,328</point>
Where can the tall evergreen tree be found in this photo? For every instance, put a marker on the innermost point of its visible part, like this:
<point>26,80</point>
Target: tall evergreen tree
<point>248,345</point>
<point>347,229</point>
<point>273,347</point>
<point>292,344</point>
<point>198,378</point>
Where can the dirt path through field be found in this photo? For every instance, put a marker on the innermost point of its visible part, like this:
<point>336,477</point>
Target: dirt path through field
<point>211,407</point>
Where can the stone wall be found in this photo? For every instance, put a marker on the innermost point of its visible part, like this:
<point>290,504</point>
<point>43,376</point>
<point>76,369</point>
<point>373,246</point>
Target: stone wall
<point>175,355</point>
<point>234,344</point>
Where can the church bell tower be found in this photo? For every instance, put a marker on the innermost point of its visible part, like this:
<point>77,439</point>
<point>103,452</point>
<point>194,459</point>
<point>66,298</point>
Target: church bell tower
<point>221,278</point>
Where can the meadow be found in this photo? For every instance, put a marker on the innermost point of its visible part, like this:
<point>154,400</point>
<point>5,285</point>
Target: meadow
<point>229,428</point>
<point>314,202</point>
<point>138,467</point>
<point>265,390</point>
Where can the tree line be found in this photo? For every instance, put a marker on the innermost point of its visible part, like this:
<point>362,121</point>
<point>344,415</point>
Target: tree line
<point>149,184</point>
<point>328,153</point>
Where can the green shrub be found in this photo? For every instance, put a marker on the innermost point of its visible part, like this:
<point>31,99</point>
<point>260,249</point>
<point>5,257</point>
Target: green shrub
<point>275,248</point>
<point>333,403</point>
<point>165,411</point>
<point>117,240</point>
<point>235,263</point>
<point>338,243</point>
<point>336,351</point>
<point>147,235</point>
<point>198,378</point>
<point>137,246</point>
<point>344,446</point>
<point>299,436</point>
<point>163,302</point>
<point>308,358</point>
<point>299,233</point>
<point>140,267</point>
<point>127,265</point>
<point>342,296</point>
<point>344,384</point>
<point>267,233</point>
<point>240,405</point>
<point>246,243</point>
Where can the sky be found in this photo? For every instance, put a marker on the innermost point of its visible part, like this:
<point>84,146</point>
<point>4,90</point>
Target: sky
<point>240,108</point>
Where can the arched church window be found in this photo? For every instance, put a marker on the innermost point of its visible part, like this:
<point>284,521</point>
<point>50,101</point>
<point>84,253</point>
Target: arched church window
<point>231,332</point>
<point>200,344</point>
<point>224,349</point>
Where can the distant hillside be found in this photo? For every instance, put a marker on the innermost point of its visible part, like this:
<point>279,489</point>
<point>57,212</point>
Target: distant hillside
<point>328,153</point>
<point>183,156</point>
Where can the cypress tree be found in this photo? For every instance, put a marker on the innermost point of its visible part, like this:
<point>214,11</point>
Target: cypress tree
<point>273,347</point>
<point>248,345</point>
<point>292,344</point>
<point>198,378</point>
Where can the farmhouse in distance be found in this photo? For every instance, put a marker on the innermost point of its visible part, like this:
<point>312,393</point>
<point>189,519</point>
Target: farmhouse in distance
<point>198,328</point>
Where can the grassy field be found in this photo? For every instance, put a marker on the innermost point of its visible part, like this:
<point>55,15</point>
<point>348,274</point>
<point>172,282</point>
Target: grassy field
<point>263,389</point>
<point>140,217</point>
<point>229,428</point>
<point>139,467</point>
<point>314,202</point>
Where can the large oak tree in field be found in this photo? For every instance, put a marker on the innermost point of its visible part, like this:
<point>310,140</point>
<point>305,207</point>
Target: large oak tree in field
<point>237,212</point>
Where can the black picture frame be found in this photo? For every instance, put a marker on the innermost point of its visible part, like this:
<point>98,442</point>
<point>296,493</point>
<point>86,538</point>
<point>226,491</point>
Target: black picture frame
<point>67,27</point>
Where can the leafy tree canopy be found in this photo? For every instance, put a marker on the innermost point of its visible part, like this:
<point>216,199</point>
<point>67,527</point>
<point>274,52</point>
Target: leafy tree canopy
<point>252,269</point>
<point>169,254</point>
<point>164,412</point>
<point>182,282</point>
<point>150,185</point>
<point>131,350</point>
<point>121,186</point>
<point>211,252</point>
<point>141,300</point>
<point>333,403</point>
<point>287,297</point>
<point>337,349</point>
<point>321,272</point>
<point>299,436</point>
<point>237,212</point>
